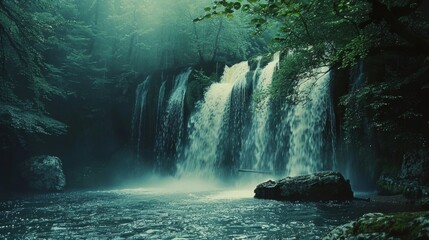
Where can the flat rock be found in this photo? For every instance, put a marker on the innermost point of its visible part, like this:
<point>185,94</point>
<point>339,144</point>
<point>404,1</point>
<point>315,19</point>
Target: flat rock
<point>321,186</point>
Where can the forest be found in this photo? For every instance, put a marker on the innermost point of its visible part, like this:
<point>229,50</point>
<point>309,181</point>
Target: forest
<point>113,92</point>
<point>69,70</point>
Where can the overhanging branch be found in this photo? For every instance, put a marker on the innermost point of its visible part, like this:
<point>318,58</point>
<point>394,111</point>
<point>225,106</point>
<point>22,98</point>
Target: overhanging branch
<point>381,12</point>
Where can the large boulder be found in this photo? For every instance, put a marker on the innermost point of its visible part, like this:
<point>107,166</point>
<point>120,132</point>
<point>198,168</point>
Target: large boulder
<point>384,226</point>
<point>44,173</point>
<point>321,186</point>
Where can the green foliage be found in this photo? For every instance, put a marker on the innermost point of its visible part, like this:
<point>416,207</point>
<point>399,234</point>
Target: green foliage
<point>28,121</point>
<point>197,86</point>
<point>355,50</point>
<point>203,79</point>
<point>28,81</point>
<point>387,108</point>
<point>296,65</point>
<point>333,33</point>
<point>26,30</point>
<point>284,84</point>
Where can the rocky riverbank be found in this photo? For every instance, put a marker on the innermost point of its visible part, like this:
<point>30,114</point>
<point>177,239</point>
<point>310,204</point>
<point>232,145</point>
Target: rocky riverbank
<point>384,226</point>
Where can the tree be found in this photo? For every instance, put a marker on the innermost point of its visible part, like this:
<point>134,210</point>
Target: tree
<point>337,32</point>
<point>26,30</point>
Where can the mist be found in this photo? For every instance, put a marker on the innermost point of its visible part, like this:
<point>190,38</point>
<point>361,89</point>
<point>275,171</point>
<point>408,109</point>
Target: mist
<point>231,119</point>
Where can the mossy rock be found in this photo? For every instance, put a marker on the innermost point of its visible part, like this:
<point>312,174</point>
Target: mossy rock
<point>262,60</point>
<point>407,225</point>
<point>389,186</point>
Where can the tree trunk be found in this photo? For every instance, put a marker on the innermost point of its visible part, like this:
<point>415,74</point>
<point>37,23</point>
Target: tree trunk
<point>216,43</point>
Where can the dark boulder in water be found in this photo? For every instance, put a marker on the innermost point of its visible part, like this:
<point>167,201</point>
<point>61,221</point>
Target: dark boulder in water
<point>44,173</point>
<point>321,186</point>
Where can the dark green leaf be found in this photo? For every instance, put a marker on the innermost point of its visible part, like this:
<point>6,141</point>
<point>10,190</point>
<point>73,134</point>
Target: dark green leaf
<point>237,5</point>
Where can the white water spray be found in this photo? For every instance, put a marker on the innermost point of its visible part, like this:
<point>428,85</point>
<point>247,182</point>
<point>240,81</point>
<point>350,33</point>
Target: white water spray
<point>307,121</point>
<point>169,138</point>
<point>201,159</point>
<point>254,150</point>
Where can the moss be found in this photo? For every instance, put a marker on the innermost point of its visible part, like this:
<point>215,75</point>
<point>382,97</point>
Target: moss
<point>403,225</point>
<point>387,186</point>
<point>262,60</point>
<point>198,83</point>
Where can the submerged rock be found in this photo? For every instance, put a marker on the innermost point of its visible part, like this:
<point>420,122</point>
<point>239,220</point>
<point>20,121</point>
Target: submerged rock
<point>321,186</point>
<point>44,173</point>
<point>384,226</point>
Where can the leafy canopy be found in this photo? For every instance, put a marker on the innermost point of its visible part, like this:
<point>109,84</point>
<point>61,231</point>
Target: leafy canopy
<point>334,32</point>
<point>339,33</point>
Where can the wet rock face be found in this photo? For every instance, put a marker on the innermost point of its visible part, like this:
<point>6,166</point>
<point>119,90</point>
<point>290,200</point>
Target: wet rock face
<point>413,178</point>
<point>415,167</point>
<point>322,186</point>
<point>44,173</point>
<point>384,226</point>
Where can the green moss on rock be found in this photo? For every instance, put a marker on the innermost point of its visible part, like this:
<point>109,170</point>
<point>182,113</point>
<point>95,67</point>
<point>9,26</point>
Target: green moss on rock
<point>261,60</point>
<point>407,225</point>
<point>198,83</point>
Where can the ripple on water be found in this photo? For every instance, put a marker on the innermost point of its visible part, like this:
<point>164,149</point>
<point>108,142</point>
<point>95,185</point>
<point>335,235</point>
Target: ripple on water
<point>144,214</point>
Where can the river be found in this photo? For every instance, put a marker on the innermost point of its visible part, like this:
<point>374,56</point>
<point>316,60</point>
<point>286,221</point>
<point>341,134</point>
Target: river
<point>159,213</point>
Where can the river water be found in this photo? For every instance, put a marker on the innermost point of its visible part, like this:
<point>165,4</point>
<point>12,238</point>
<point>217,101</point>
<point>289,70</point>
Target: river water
<point>156,213</point>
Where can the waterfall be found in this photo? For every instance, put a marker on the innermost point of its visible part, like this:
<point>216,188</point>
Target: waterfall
<point>237,120</point>
<point>359,151</point>
<point>170,136</point>
<point>257,71</point>
<point>254,151</point>
<point>201,155</point>
<point>137,119</point>
<point>357,76</point>
<point>160,107</point>
<point>307,122</point>
<point>229,131</point>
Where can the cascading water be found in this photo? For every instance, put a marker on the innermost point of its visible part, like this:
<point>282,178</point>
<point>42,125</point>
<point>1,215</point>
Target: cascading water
<point>254,154</point>
<point>238,119</point>
<point>228,131</point>
<point>160,107</point>
<point>140,105</point>
<point>201,156</point>
<point>169,138</point>
<point>359,148</point>
<point>306,123</point>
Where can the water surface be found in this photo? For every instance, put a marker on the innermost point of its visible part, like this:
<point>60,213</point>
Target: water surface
<point>145,213</point>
